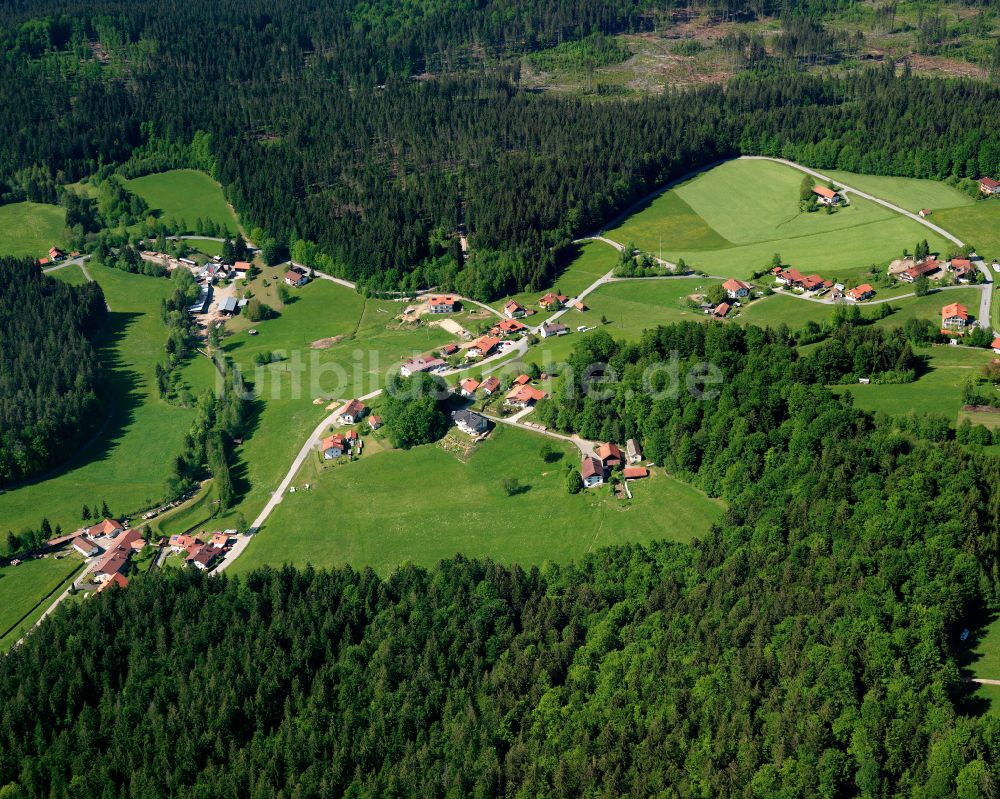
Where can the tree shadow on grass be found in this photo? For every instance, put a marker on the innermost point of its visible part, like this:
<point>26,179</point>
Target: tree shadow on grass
<point>122,391</point>
<point>967,654</point>
<point>239,471</point>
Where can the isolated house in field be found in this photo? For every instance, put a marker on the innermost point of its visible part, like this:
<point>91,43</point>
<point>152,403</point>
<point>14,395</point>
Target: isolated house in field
<point>925,212</point>
<point>579,306</point>
<point>610,455</point>
<point>421,364</point>
<point>633,451</point>
<point>591,472</point>
<point>294,277</point>
<point>85,546</point>
<point>490,385</point>
<point>333,446</point>
<point>55,254</point>
<point>513,310</point>
<point>467,388</point>
<point>470,422</point>
<point>862,292</point>
<point>551,329</point>
<point>954,317</point>
<point>374,421</point>
<point>989,186</point>
<point>352,411</point>
<point>482,347</point>
<point>720,310</point>
<point>442,304</point>
<point>826,196</point>
<point>737,289</point>
<point>524,396</point>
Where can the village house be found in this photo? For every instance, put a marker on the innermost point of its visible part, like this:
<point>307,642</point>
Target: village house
<point>737,289</point>
<point>467,388</point>
<point>55,254</point>
<point>204,557</point>
<point>988,186</point>
<point>924,213</point>
<point>508,327</point>
<point>521,380</point>
<point>995,344</point>
<point>223,539</point>
<point>449,349</point>
<point>242,267</point>
<point>490,385</point>
<point>513,310</point>
<point>579,306</point>
<point>954,317</point>
<point>482,347</point>
<point>961,267</point>
<point>720,310</point>
<point>374,421</point>
<point>293,277</point>
<point>107,527</point>
<point>333,446</point>
<point>825,196</point>
<point>116,557</point>
<point>117,579</point>
<point>524,396</point>
<point>183,543</point>
<point>862,292</point>
<point>442,304</point>
<point>929,268</point>
<point>415,365</point>
<point>470,422</point>
<point>352,411</point>
<point>633,451</point>
<point>591,472</point>
<point>635,472</point>
<point>610,455</point>
<point>550,329</point>
<point>85,546</point>
<point>552,302</point>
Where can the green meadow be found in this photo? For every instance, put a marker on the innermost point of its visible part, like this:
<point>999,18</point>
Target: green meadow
<point>730,220</point>
<point>71,274</point>
<point>24,586</point>
<point>128,462</point>
<point>29,229</point>
<point>978,225</point>
<point>185,194</point>
<point>911,194</point>
<point>427,504</point>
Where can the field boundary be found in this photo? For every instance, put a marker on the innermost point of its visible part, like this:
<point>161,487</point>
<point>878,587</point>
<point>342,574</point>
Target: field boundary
<point>41,601</point>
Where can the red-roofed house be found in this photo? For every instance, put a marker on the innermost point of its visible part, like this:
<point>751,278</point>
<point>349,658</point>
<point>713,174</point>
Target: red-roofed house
<point>930,268</point>
<point>996,345</point>
<point>552,302</point>
<point>988,186</point>
<point>117,579</point>
<point>242,266</point>
<point>954,317</point>
<point>295,278</point>
<point>352,411</point>
<point>205,557</point>
<point>56,254</point>
<point>482,347</point>
<point>442,304</point>
<point>107,527</point>
<point>721,310</point>
<point>85,546</point>
<point>468,387</point>
<point>507,327</point>
<point>925,212</point>
<point>961,267</point>
<point>579,306</point>
<point>812,282</point>
<point>524,396</point>
<point>374,421</point>
<point>522,380</point>
<point>513,310</point>
<point>635,472</point>
<point>333,446</point>
<point>449,349</point>
<point>490,385</point>
<point>592,472</point>
<point>737,289</point>
<point>609,454</point>
<point>826,196</point>
<point>116,557</point>
<point>862,292</point>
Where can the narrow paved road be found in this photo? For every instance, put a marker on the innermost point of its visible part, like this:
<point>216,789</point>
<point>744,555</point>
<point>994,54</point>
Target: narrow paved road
<point>586,447</point>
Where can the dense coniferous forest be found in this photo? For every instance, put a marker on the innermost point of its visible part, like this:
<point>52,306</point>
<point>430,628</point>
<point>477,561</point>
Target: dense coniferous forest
<point>805,648</point>
<point>314,121</point>
<point>50,392</point>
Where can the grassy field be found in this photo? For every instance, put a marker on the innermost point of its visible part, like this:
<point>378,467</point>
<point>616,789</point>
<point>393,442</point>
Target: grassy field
<point>128,463</point>
<point>909,193</point>
<point>30,228</point>
<point>71,274</point>
<point>23,586</point>
<point>426,504</point>
<point>978,225</point>
<point>929,306</point>
<point>364,343</point>
<point>748,210</point>
<point>185,194</point>
<point>780,309</point>
<point>207,246</point>
<point>594,259</point>
<point>937,391</point>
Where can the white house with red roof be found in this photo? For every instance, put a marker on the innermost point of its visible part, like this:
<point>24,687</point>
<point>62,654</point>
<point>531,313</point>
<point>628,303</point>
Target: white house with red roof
<point>826,196</point>
<point>862,292</point>
<point>737,289</point>
<point>445,303</point>
<point>591,472</point>
<point>513,310</point>
<point>954,317</point>
<point>352,411</point>
<point>989,186</point>
<point>467,388</point>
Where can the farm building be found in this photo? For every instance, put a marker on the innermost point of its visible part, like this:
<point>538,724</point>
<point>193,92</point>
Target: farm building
<point>610,455</point>
<point>635,472</point>
<point>591,472</point>
<point>85,546</point>
<point>721,310</point>
<point>633,451</point>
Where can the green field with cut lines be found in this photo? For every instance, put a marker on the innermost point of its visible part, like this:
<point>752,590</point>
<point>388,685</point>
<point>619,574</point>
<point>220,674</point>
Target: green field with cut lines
<point>911,194</point>
<point>425,504</point>
<point>732,219</point>
<point>128,463</point>
<point>29,229</point>
<point>185,194</point>
<point>71,273</point>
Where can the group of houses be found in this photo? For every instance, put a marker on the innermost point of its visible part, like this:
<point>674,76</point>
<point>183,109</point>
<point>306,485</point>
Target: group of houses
<point>349,442</point>
<point>908,271</point>
<point>55,256</point>
<point>201,554</point>
<point>595,468</point>
<point>818,286</point>
<point>112,545</point>
<point>521,395</point>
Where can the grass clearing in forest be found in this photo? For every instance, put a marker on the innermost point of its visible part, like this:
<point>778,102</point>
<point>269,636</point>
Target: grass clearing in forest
<point>751,209</point>
<point>185,194</point>
<point>129,461</point>
<point>29,229</point>
<point>72,274</point>
<point>426,504</point>
<point>24,586</point>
